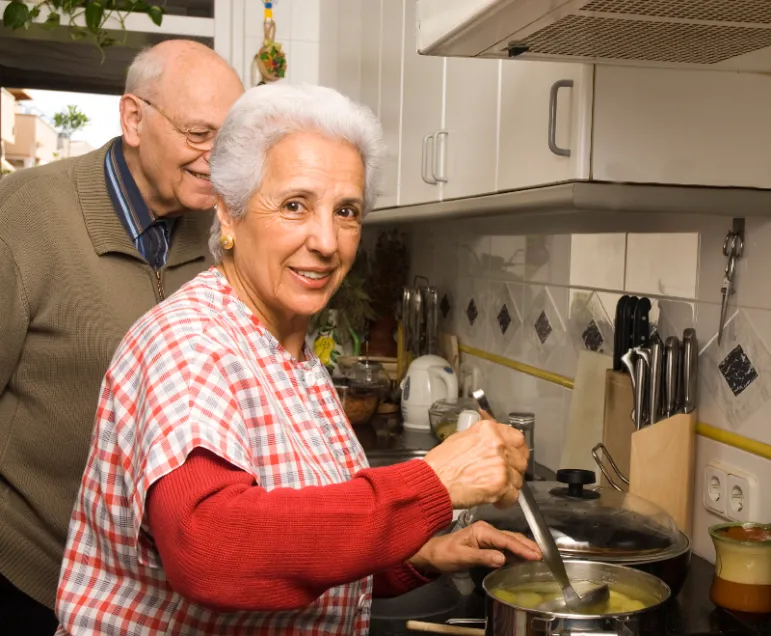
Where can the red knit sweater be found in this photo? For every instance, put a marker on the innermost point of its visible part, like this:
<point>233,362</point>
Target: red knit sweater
<point>228,544</point>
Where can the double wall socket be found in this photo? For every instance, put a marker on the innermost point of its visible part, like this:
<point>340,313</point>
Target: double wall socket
<point>729,492</point>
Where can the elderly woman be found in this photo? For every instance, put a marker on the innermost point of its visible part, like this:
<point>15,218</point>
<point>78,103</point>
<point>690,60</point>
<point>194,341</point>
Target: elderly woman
<point>225,491</point>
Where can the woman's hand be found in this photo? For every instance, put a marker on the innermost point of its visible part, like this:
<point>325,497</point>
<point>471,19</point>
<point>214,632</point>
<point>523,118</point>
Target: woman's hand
<point>483,464</point>
<point>477,545</point>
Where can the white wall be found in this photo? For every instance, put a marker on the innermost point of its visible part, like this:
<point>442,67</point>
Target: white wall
<point>574,268</point>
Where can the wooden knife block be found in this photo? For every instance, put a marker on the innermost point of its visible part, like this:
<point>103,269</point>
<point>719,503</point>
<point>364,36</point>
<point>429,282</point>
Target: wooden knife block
<point>617,424</point>
<point>662,464</point>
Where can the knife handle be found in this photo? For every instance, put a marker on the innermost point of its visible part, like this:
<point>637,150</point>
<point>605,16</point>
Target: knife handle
<point>690,369</point>
<point>671,375</point>
<point>654,391</point>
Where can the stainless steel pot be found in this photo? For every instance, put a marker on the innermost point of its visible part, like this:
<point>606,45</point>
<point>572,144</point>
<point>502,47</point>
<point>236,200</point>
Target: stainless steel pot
<point>598,525</point>
<point>507,619</point>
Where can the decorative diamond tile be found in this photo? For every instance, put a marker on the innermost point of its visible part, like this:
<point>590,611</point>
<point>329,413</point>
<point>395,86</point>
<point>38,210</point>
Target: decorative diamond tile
<point>543,327</point>
<point>592,337</point>
<point>504,319</point>
<point>472,312</point>
<point>444,306</point>
<point>737,370</point>
<point>734,376</point>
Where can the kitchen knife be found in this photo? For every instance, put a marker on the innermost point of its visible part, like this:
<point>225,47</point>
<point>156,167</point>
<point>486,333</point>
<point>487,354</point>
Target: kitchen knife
<point>654,378</point>
<point>618,343</point>
<point>671,375</point>
<point>690,369</point>
<point>626,326</point>
<point>641,323</point>
<point>641,371</point>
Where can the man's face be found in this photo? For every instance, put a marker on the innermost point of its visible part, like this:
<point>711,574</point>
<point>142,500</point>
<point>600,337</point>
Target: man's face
<point>171,136</point>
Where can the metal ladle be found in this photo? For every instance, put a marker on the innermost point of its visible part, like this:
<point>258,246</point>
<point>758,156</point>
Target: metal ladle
<point>595,596</point>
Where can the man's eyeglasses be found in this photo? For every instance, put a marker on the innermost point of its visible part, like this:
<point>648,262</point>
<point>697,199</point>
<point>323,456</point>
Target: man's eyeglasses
<point>198,139</point>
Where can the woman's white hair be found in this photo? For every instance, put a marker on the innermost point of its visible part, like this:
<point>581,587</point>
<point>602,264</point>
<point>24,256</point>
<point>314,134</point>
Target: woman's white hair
<point>263,116</point>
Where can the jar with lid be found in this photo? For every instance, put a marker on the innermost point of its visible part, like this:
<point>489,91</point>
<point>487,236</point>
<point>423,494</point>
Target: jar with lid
<point>367,383</point>
<point>443,415</point>
<point>525,422</point>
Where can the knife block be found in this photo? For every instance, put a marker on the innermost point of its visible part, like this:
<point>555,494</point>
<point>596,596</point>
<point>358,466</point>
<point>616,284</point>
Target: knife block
<point>661,466</point>
<point>617,426</point>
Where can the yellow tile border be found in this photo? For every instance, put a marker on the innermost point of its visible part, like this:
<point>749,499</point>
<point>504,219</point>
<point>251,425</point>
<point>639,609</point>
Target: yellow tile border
<point>705,430</point>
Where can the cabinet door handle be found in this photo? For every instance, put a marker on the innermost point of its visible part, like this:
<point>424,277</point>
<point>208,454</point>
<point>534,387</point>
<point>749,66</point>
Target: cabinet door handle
<point>440,157</point>
<point>562,152</point>
<point>424,160</point>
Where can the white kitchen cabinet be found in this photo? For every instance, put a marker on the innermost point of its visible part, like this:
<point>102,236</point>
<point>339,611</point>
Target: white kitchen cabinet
<point>688,128</point>
<point>422,101</point>
<point>545,123</point>
<point>468,142</point>
<point>391,51</point>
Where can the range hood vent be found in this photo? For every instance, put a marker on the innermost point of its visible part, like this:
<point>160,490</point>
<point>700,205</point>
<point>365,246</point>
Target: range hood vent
<point>714,34</point>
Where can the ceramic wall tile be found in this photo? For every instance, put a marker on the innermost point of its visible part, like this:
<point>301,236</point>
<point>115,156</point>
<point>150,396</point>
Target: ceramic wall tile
<point>597,260</point>
<point>471,254</point>
<point>589,326</point>
<point>544,327</point>
<point>662,264</point>
<point>547,259</point>
<point>751,279</point>
<point>672,317</point>
<point>709,450</point>
<point>472,303</point>
<point>507,258</point>
<point>736,373</point>
<point>504,317</point>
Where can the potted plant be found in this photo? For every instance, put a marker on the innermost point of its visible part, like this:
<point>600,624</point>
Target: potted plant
<point>338,328</point>
<point>94,13</point>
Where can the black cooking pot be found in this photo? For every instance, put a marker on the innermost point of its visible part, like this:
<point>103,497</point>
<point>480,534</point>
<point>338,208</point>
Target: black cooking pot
<point>595,524</point>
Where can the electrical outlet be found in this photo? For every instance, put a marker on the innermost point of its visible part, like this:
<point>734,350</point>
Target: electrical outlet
<point>741,491</point>
<point>715,482</point>
<point>729,492</point>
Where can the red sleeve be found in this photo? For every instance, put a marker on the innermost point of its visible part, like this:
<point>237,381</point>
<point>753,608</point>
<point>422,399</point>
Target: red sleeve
<point>399,579</point>
<point>229,544</point>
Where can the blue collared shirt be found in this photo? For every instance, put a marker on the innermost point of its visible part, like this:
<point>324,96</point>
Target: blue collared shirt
<point>151,236</point>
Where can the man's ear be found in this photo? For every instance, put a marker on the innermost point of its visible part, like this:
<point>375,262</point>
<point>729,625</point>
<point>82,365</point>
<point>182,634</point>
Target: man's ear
<point>131,116</point>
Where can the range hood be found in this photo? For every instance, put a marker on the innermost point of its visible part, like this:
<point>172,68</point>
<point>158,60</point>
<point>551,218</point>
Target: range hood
<point>728,35</point>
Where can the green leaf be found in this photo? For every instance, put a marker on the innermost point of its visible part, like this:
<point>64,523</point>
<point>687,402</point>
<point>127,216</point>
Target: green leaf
<point>35,12</point>
<point>52,21</point>
<point>16,15</point>
<point>94,14</point>
<point>156,14</point>
<point>76,33</point>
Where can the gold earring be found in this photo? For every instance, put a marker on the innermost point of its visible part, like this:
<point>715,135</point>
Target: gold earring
<point>227,241</point>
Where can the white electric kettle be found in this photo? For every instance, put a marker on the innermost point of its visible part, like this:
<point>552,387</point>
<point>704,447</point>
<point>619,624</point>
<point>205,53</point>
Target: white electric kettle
<point>428,379</point>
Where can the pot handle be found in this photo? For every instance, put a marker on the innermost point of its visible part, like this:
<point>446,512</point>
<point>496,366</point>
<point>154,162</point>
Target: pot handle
<point>441,628</point>
<point>613,465</point>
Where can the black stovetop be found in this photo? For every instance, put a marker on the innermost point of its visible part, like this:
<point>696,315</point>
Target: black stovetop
<point>691,613</point>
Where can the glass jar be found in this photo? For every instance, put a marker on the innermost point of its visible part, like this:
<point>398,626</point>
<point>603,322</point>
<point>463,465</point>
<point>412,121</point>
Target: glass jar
<point>367,383</point>
<point>443,416</point>
<point>525,422</point>
<point>742,580</point>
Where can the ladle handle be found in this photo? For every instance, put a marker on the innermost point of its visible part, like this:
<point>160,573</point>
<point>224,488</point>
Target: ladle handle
<point>441,628</point>
<point>543,537</point>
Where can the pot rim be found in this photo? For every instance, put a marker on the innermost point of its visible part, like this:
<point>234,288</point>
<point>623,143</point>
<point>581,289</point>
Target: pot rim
<point>665,589</point>
<point>713,532</point>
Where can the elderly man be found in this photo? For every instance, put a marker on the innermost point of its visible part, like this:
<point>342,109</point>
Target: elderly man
<point>88,245</point>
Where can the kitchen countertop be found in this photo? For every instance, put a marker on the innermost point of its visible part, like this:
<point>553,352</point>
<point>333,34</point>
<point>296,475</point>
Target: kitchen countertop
<point>691,613</point>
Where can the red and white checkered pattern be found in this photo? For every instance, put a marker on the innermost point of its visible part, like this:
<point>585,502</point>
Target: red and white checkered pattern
<point>199,371</point>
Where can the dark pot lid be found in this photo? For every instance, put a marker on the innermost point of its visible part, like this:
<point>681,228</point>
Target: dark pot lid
<point>591,522</point>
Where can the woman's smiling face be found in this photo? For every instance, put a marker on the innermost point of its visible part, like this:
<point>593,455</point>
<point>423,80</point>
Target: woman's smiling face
<point>299,236</point>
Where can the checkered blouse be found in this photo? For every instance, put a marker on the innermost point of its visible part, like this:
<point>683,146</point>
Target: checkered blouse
<point>199,371</point>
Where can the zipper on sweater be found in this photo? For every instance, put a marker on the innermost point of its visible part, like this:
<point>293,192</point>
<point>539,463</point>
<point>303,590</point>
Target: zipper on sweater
<point>159,284</point>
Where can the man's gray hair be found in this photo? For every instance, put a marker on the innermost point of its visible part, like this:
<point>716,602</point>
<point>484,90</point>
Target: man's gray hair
<point>263,116</point>
<point>144,74</point>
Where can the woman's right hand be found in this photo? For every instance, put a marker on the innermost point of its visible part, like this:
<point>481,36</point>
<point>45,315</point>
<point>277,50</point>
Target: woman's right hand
<point>483,464</point>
